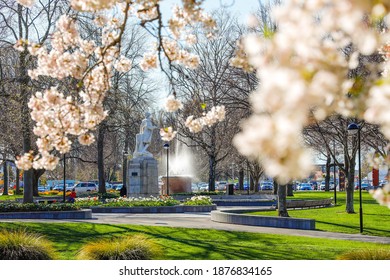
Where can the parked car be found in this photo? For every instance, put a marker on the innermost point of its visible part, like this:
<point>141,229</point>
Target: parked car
<point>221,186</point>
<point>60,187</point>
<point>365,186</point>
<point>305,187</point>
<point>85,187</point>
<point>108,185</point>
<point>203,187</point>
<point>314,184</point>
<point>266,186</point>
<point>244,185</point>
<point>116,187</point>
<point>43,189</point>
<point>322,186</point>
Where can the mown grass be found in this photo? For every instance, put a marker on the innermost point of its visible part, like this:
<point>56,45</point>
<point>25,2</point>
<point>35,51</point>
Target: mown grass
<point>197,244</point>
<point>376,218</point>
<point>10,197</point>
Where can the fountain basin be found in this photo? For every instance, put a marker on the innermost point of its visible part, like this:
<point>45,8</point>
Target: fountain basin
<point>177,184</point>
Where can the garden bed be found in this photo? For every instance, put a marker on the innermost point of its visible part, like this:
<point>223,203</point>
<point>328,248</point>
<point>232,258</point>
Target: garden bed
<point>155,209</point>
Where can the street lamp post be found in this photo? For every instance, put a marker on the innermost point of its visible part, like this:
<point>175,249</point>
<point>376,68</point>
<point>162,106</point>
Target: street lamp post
<point>334,172</point>
<point>354,128</point>
<point>166,147</point>
<point>63,199</point>
<point>124,168</point>
<point>248,179</point>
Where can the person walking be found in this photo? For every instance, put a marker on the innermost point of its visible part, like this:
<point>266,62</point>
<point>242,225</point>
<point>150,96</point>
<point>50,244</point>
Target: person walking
<point>123,191</point>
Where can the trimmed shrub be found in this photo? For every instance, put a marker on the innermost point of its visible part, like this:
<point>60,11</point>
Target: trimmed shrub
<point>22,245</point>
<point>134,247</point>
<point>29,207</point>
<point>127,202</point>
<point>368,254</point>
<point>108,195</point>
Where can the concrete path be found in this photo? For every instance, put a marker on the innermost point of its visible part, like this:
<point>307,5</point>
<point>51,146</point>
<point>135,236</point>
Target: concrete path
<point>203,221</point>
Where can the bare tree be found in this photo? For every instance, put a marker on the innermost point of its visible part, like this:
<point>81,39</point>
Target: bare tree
<point>33,24</point>
<point>207,86</point>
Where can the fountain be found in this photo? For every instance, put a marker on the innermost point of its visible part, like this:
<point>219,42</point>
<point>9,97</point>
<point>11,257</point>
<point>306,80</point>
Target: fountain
<point>180,170</point>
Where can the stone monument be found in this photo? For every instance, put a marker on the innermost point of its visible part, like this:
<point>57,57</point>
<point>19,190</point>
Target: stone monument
<point>142,168</point>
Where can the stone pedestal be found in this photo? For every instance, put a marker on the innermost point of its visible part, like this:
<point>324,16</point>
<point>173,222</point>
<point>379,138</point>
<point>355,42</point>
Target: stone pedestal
<point>142,177</point>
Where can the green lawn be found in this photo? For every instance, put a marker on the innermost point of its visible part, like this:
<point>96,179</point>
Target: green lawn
<point>198,244</point>
<point>202,244</point>
<point>376,218</point>
<point>10,197</point>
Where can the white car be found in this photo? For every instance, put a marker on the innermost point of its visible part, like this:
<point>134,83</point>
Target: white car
<point>85,187</point>
<point>203,187</point>
<point>221,186</point>
<point>322,185</point>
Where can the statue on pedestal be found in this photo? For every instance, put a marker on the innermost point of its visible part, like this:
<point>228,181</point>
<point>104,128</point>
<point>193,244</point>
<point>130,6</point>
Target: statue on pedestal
<point>144,138</point>
<point>142,168</point>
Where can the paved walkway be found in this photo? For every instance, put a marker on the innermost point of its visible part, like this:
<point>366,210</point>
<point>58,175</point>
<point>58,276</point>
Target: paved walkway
<point>203,221</point>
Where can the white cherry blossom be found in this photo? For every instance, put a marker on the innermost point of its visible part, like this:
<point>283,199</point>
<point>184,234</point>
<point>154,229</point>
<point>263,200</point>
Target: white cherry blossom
<point>167,134</point>
<point>172,104</point>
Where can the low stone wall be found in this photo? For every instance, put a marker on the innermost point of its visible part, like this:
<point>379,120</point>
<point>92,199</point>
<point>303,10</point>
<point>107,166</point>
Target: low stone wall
<point>230,197</point>
<point>159,209</point>
<point>77,214</point>
<point>236,217</point>
<point>244,202</point>
<point>304,203</point>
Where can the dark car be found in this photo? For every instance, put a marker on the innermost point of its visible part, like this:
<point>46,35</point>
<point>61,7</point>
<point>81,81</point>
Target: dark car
<point>237,186</point>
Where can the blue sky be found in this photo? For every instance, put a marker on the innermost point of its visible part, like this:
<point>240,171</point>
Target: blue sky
<point>242,7</point>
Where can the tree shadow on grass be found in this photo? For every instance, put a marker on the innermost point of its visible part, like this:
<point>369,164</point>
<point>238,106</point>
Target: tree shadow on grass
<point>185,243</point>
<point>355,228</point>
<point>192,244</point>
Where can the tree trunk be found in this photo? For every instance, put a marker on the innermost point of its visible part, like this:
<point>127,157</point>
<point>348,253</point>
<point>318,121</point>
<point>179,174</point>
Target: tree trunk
<point>17,181</point>
<point>26,129</point>
<point>212,160</point>
<point>290,190</point>
<point>35,181</point>
<point>124,163</point>
<point>276,186</point>
<point>124,171</point>
<point>5,177</point>
<point>25,111</point>
<point>256,179</point>
<point>282,201</point>
<point>100,160</point>
<point>212,169</point>
<point>241,179</point>
<point>251,183</point>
